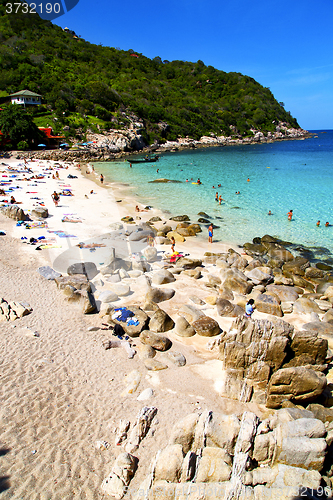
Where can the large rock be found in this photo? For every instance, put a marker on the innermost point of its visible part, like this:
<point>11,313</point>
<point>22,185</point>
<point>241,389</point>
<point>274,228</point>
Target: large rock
<point>158,342</point>
<point>268,304</point>
<point>285,477</point>
<point>169,463</point>
<point>254,249</point>
<point>226,308</point>
<point>285,293</point>
<point>297,384</point>
<point>132,330</point>
<point>300,443</point>
<point>190,313</point>
<point>313,272</point>
<point>161,321</point>
<point>183,328</point>
<point>40,212</point>
<point>183,432</point>
<point>238,285</point>
<point>178,237</point>
<point>78,281</point>
<point>190,230</point>
<point>323,329</point>
<point>14,212</point>
<point>188,263</point>
<point>259,275</point>
<point>206,327</point>
<point>180,218</point>
<point>141,235</point>
<point>163,276</point>
<point>310,345</point>
<point>158,294</point>
<point>305,305</point>
<point>212,466</point>
<point>87,268</point>
<point>222,431</point>
<point>120,476</point>
<point>150,253</point>
<point>276,251</point>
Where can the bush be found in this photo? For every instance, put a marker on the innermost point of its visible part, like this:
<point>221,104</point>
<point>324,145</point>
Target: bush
<point>22,146</point>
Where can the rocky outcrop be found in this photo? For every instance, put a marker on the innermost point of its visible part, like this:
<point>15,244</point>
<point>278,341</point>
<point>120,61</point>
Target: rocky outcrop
<point>287,365</point>
<point>9,311</point>
<point>14,212</point>
<point>297,384</point>
<point>212,456</point>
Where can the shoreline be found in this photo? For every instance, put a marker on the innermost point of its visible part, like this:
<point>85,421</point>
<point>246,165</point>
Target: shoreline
<point>182,144</point>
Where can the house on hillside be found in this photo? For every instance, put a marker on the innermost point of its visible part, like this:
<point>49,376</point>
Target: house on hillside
<point>26,97</point>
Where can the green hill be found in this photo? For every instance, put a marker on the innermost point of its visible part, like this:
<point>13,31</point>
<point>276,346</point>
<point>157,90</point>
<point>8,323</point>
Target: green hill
<point>86,85</point>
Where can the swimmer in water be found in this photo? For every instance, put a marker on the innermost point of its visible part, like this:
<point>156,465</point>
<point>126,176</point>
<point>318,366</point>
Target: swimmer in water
<point>290,215</point>
<point>216,196</point>
<point>248,179</point>
<point>318,223</point>
<point>269,213</point>
<point>327,224</point>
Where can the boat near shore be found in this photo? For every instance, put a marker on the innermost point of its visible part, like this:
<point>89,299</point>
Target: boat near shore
<point>147,159</point>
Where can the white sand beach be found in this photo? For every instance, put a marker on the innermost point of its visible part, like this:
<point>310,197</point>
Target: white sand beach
<point>61,391</point>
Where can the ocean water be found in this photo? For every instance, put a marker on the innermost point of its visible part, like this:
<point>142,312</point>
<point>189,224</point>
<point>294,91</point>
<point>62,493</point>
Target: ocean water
<point>290,175</point>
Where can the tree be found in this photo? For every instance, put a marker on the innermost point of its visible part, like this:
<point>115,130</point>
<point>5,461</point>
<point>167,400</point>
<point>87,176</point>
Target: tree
<point>18,125</point>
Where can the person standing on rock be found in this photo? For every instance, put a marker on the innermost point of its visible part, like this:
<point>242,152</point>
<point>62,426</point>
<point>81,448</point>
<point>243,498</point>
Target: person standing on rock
<point>210,234</point>
<point>249,308</point>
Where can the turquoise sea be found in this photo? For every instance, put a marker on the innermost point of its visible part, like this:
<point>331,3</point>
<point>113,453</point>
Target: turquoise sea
<point>285,175</point>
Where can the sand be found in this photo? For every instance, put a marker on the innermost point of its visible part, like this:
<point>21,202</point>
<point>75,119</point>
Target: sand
<point>61,391</point>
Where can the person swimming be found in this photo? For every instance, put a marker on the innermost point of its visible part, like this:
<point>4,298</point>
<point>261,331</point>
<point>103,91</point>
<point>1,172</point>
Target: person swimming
<point>318,223</point>
<point>269,213</point>
<point>290,214</point>
<point>327,224</point>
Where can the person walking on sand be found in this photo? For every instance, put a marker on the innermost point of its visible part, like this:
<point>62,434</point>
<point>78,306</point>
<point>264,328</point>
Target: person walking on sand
<point>290,214</point>
<point>173,242</point>
<point>210,234</point>
<point>249,308</point>
<point>55,198</point>
<point>102,178</point>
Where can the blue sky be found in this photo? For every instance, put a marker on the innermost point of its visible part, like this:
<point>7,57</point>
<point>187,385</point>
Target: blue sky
<point>284,45</point>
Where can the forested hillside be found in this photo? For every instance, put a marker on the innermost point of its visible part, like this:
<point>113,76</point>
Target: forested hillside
<point>86,85</point>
